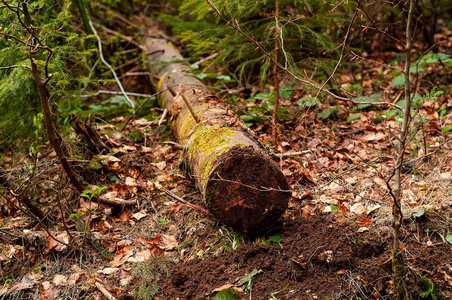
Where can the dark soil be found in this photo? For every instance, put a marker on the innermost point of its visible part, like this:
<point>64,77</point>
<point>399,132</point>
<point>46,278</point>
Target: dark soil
<point>323,257</point>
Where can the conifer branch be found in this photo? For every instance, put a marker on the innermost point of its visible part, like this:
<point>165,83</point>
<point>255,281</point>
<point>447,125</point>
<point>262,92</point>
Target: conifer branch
<point>234,24</point>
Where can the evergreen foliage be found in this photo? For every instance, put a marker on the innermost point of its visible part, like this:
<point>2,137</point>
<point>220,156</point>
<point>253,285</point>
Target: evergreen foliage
<point>19,97</point>
<point>309,30</point>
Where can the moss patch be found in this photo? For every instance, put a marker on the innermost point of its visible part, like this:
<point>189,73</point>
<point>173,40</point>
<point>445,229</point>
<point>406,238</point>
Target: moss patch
<point>207,143</point>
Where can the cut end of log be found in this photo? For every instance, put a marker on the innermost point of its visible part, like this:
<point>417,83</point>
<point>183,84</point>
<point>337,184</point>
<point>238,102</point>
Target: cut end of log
<point>247,191</point>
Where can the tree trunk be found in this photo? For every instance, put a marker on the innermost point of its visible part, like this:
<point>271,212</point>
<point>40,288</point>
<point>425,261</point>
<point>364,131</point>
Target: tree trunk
<point>240,184</point>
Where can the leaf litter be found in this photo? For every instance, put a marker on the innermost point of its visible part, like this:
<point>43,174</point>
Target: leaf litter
<point>330,241</point>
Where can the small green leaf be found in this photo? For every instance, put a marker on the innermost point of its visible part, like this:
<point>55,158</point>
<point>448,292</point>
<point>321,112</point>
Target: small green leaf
<point>446,128</point>
<point>227,294</point>
<point>224,77</point>
<point>399,81</point>
<point>353,117</point>
<point>449,238</point>
<point>419,213</point>
<point>327,113</point>
<point>426,285</point>
<point>201,76</point>
<point>275,239</point>
<point>76,216</point>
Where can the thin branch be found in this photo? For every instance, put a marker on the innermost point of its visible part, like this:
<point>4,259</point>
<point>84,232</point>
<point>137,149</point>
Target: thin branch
<point>181,93</point>
<point>115,93</point>
<point>361,8</point>
<point>9,67</point>
<point>198,208</point>
<point>234,24</point>
<point>99,43</point>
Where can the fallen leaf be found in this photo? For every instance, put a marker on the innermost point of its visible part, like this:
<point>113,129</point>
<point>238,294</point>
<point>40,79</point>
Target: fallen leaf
<point>108,271</point>
<point>59,279</point>
<point>139,215</point>
<point>169,242</point>
<point>131,181</point>
<point>124,277</point>
<point>223,287</point>
<point>48,291</point>
<point>176,207</point>
<point>55,245</point>
<point>24,284</point>
<point>125,216</point>
<point>363,229</point>
<point>358,209</point>
<point>364,222</point>
<point>160,165</point>
<point>72,280</point>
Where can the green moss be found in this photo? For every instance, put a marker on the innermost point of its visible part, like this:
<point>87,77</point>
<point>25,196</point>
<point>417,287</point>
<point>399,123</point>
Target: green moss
<point>211,141</point>
<point>400,270</point>
<point>161,99</point>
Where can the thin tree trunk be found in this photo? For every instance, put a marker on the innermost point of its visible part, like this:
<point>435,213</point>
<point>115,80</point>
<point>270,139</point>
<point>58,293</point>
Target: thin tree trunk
<point>398,261</point>
<point>275,77</point>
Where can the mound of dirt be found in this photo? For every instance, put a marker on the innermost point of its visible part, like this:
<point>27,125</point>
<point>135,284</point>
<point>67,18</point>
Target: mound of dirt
<point>318,257</point>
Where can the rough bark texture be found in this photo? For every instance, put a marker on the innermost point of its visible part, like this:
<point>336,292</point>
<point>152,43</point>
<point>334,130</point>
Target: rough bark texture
<point>240,184</point>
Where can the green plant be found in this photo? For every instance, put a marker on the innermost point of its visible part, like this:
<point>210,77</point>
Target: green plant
<point>262,111</point>
<point>207,34</point>
<point>427,289</point>
<point>52,29</point>
<point>146,277</point>
<point>247,281</point>
<point>230,239</point>
<point>273,294</point>
<point>273,239</point>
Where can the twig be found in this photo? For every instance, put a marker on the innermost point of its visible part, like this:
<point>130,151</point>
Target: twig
<point>104,291</point>
<point>9,67</point>
<point>115,93</point>
<point>291,154</point>
<point>200,209</point>
<point>234,24</point>
<point>207,58</point>
<point>181,93</point>
<point>162,118</point>
<point>361,8</point>
<point>99,43</point>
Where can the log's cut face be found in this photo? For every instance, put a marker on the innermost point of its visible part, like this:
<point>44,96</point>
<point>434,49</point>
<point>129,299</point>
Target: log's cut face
<point>246,190</point>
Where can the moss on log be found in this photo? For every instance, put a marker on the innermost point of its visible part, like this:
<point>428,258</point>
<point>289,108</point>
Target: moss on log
<point>241,185</point>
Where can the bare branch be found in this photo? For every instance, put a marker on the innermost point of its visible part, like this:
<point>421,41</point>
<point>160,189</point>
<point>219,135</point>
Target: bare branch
<point>99,43</point>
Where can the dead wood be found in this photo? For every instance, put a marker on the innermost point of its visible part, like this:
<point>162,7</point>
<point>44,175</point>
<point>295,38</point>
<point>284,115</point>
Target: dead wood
<point>90,135</point>
<point>240,184</point>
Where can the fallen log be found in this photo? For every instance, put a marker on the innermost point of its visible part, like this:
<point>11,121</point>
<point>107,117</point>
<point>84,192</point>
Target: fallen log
<point>241,185</point>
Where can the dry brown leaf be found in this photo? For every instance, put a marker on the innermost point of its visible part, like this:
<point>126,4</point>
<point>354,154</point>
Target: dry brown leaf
<point>358,209</point>
<point>125,216</point>
<point>160,165</point>
<point>108,271</point>
<point>139,215</point>
<point>48,291</point>
<point>176,207</point>
<point>72,280</point>
<point>59,280</point>
<point>223,287</point>
<point>169,242</point>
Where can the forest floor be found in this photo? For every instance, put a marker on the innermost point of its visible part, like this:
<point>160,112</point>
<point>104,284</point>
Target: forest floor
<point>328,245</point>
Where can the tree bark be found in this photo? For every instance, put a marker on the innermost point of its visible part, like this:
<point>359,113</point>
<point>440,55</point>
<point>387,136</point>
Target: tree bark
<point>241,185</point>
